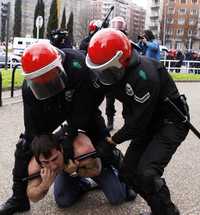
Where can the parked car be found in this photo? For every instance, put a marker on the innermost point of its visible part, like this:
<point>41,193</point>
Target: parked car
<point>12,59</point>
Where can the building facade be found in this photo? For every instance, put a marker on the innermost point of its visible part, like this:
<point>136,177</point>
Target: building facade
<point>181,27</point>
<point>155,17</point>
<point>133,14</point>
<point>136,21</point>
<point>176,23</point>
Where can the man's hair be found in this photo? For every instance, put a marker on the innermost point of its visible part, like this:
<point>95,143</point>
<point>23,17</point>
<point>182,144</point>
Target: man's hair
<point>43,145</point>
<point>149,35</point>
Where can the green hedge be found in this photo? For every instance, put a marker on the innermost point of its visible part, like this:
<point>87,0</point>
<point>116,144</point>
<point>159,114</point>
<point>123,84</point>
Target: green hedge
<point>7,76</point>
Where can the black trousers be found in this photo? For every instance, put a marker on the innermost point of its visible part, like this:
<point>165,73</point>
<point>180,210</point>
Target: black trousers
<point>23,155</point>
<point>110,105</point>
<point>144,164</point>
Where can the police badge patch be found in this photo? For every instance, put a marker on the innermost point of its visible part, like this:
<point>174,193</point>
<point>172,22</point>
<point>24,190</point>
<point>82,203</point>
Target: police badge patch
<point>141,99</point>
<point>95,84</point>
<point>129,90</point>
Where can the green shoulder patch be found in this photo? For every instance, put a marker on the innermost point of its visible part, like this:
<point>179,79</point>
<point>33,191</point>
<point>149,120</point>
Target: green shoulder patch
<point>142,74</point>
<point>76,64</point>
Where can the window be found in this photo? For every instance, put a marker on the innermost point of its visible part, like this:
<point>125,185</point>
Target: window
<point>181,21</point>
<point>169,32</point>
<point>191,21</point>
<point>194,1</point>
<point>171,10</point>
<point>194,11</point>
<point>182,10</point>
<point>190,33</point>
<point>179,32</point>
<point>170,21</point>
<point>178,45</point>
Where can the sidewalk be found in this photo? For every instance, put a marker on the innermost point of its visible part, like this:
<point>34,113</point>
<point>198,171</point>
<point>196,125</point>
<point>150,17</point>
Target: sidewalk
<point>7,99</point>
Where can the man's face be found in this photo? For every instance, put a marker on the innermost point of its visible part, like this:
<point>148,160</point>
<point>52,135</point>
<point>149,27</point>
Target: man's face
<point>55,162</point>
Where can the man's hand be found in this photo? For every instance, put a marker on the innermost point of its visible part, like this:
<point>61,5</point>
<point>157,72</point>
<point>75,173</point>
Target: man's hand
<point>110,141</point>
<point>71,167</point>
<point>48,177</point>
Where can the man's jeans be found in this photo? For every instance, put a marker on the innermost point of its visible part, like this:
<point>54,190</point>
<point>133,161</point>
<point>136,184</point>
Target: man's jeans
<point>67,189</point>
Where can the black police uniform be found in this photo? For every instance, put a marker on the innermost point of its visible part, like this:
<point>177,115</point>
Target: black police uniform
<point>110,99</point>
<point>154,128</point>
<point>60,39</point>
<point>110,110</point>
<point>77,104</point>
<point>85,42</point>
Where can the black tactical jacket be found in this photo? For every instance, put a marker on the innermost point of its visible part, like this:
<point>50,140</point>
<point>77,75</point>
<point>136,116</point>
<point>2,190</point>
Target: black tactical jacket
<point>77,104</point>
<point>142,91</point>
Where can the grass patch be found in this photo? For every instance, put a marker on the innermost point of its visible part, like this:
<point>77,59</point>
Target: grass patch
<point>185,77</point>
<point>7,78</point>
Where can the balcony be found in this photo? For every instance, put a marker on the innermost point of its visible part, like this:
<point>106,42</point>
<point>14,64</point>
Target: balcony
<point>154,15</point>
<point>154,27</point>
<point>155,5</point>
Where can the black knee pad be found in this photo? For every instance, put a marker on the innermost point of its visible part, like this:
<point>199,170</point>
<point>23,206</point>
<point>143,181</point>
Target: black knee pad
<point>149,181</point>
<point>23,155</point>
<point>23,148</point>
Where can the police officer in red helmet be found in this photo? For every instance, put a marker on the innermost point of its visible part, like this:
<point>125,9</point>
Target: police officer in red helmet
<point>93,27</point>
<point>45,74</point>
<point>142,85</point>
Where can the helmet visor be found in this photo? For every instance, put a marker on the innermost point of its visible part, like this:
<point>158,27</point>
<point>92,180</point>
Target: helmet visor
<point>110,76</point>
<point>49,84</point>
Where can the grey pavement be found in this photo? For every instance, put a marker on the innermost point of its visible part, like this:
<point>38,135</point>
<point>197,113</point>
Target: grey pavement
<point>182,174</point>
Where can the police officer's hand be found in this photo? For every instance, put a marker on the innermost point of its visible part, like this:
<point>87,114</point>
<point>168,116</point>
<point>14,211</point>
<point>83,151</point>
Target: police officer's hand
<point>110,141</point>
<point>71,167</point>
<point>48,177</point>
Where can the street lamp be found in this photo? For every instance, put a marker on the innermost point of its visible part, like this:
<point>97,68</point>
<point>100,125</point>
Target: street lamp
<point>165,22</point>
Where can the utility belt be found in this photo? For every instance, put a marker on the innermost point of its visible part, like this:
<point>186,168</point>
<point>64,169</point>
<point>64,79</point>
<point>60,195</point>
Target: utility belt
<point>171,116</point>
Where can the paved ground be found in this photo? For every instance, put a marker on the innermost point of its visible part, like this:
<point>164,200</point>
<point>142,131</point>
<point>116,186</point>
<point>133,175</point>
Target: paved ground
<point>182,175</point>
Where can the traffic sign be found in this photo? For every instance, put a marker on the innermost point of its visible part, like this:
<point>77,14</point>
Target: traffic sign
<point>39,21</point>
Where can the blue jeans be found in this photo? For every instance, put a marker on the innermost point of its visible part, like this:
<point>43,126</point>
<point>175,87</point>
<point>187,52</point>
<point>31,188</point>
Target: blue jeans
<point>67,189</point>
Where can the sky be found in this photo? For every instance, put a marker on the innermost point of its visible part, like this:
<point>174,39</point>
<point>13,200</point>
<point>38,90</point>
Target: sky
<point>142,3</point>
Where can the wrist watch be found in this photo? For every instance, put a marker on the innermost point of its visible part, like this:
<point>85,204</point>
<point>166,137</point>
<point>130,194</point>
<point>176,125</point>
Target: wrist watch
<point>74,174</point>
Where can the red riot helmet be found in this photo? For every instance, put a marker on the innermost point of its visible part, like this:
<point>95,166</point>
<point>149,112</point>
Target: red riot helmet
<point>118,23</point>
<point>109,52</point>
<point>94,25</point>
<point>43,70</point>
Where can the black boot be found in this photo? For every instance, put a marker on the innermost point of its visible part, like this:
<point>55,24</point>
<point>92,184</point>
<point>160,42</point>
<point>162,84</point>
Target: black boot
<point>19,201</point>
<point>110,123</point>
<point>160,201</point>
<point>174,211</point>
<point>13,205</point>
<point>130,194</point>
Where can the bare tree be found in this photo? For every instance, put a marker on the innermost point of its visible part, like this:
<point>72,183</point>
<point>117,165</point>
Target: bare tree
<point>83,22</point>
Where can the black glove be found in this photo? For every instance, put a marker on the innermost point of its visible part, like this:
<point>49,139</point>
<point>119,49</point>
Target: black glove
<point>110,155</point>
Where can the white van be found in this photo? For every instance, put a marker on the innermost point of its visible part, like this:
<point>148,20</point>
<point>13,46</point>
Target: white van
<point>20,43</point>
